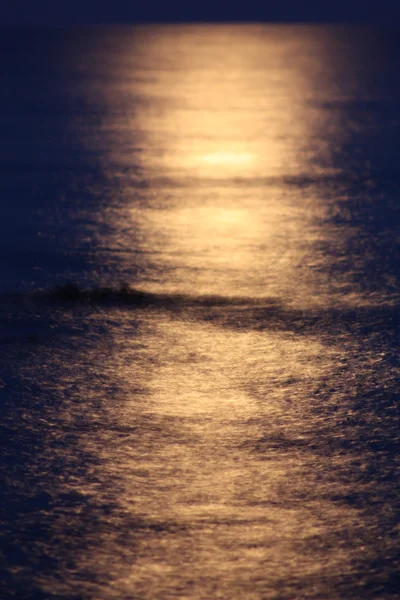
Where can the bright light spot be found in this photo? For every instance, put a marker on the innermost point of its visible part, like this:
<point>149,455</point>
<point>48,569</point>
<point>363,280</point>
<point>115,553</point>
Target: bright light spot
<point>228,158</point>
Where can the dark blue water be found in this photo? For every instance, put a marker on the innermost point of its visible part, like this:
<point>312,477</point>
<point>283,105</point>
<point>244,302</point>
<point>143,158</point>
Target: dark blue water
<point>199,318</point>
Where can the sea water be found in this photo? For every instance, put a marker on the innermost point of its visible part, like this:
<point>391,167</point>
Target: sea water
<point>199,321</point>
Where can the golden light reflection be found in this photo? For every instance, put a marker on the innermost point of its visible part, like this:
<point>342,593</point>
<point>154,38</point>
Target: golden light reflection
<point>223,99</point>
<point>222,158</point>
<point>211,136</point>
<point>224,414</point>
<point>239,161</point>
<point>210,246</point>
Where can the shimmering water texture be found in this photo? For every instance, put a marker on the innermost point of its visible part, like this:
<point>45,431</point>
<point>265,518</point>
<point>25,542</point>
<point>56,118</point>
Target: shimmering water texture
<point>199,313</point>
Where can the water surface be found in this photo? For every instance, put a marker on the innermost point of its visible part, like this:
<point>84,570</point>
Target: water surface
<point>225,424</point>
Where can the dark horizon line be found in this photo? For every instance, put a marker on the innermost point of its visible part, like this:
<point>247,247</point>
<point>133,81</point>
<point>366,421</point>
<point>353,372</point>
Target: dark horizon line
<point>205,21</point>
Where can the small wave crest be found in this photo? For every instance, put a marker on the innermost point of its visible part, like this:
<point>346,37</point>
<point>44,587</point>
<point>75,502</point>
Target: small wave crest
<point>124,294</point>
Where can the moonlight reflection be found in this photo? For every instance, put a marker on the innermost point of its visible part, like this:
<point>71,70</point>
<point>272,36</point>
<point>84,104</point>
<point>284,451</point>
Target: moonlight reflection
<point>225,424</point>
<point>218,132</point>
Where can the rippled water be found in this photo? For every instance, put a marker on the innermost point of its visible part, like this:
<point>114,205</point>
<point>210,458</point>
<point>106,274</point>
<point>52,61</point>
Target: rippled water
<point>199,337</point>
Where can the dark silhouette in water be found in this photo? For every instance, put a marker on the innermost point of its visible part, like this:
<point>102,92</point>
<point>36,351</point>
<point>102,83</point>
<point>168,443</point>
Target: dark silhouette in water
<point>71,292</point>
<point>261,313</point>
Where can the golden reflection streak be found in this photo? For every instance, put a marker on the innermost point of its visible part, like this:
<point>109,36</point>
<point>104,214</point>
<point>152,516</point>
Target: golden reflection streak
<point>225,98</point>
<point>219,390</point>
<point>215,119</point>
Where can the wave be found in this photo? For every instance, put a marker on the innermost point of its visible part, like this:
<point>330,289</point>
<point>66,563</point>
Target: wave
<point>124,294</point>
<point>234,312</point>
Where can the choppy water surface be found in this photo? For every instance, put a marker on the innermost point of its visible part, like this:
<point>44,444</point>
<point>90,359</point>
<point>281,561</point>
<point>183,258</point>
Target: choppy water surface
<point>226,424</point>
